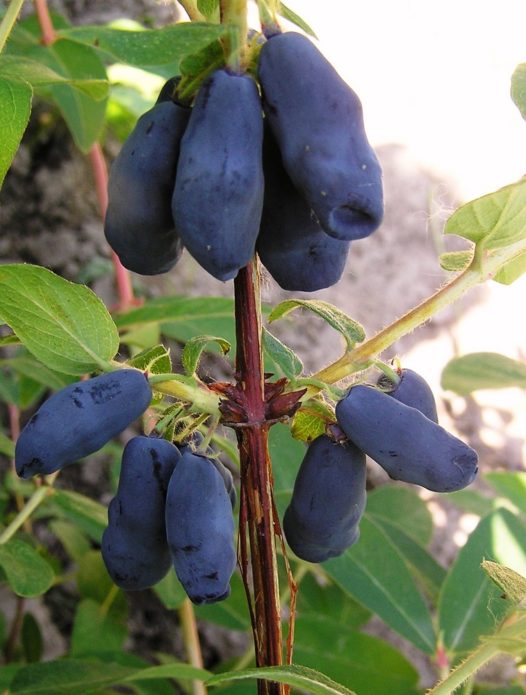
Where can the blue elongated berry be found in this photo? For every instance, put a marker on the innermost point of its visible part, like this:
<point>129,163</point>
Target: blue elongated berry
<point>292,245</point>
<point>218,193</point>
<point>408,445</point>
<point>134,545</point>
<point>327,502</point>
<point>317,121</point>
<point>200,529</point>
<point>413,390</point>
<point>139,225</point>
<point>79,419</point>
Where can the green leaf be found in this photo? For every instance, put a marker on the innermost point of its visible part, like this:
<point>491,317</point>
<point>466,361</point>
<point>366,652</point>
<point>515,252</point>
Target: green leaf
<point>300,676</point>
<point>38,372</point>
<point>170,591</point>
<point>28,574</point>
<point>83,114</point>
<point>518,88</point>
<point>95,583</point>
<point>231,613</point>
<point>38,74</point>
<point>286,359</point>
<point>67,677</point>
<point>422,565</point>
<point>512,584</point>
<point>7,673</point>
<point>9,340</point>
<point>456,260</point>
<point>511,271</point>
<point>64,325</point>
<point>89,515</point>
<point>286,454</point>
<point>470,605</point>
<point>311,420</point>
<point>155,360</point>
<point>471,501</point>
<point>95,631</point>
<point>483,370</point>
<point>182,318</point>
<point>72,538</point>
<point>7,446</point>
<point>151,47</point>
<point>207,7</point>
<point>291,16</point>
<point>318,595</point>
<point>352,331</point>
<point>31,639</point>
<point>511,485</point>
<point>495,220</point>
<point>15,109</point>
<point>195,346</point>
<point>402,505</point>
<point>352,658</point>
<point>374,572</point>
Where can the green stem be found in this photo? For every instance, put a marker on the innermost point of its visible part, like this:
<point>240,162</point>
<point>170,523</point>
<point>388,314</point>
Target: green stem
<point>34,501</point>
<point>465,670</point>
<point>478,271</point>
<point>202,399</point>
<point>8,22</point>
<point>191,642</point>
<point>234,14</point>
<point>110,598</point>
<point>190,7</point>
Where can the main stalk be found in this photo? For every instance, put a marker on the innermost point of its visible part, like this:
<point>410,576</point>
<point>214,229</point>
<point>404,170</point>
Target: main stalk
<point>256,481</point>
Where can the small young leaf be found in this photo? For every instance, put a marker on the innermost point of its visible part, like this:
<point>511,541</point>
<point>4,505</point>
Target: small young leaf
<point>15,108</point>
<point>511,583</point>
<point>311,420</point>
<point>352,331</point>
<point>151,47</point>
<point>483,370</point>
<point>155,360</point>
<point>495,220</point>
<point>283,357</point>
<point>291,16</point>
<point>64,325</point>
<point>207,7</point>
<point>456,260</point>
<point>195,346</point>
<point>511,271</point>
<point>28,574</point>
<point>299,676</point>
<point>518,88</point>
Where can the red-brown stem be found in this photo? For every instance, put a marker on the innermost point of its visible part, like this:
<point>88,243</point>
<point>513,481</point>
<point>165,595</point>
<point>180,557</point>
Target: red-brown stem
<point>100,175</point>
<point>98,167</point>
<point>256,478</point>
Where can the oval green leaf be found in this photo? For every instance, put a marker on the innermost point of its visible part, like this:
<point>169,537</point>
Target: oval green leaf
<point>64,325</point>
<point>483,370</point>
<point>15,109</point>
<point>28,574</point>
<point>194,347</point>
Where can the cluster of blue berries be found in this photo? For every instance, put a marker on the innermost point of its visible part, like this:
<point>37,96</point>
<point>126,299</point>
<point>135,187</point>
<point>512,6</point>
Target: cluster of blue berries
<point>398,428</point>
<point>281,166</point>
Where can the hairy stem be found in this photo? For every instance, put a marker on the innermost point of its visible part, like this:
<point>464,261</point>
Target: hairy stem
<point>8,22</point>
<point>479,271</point>
<point>202,399</point>
<point>191,642</point>
<point>256,477</point>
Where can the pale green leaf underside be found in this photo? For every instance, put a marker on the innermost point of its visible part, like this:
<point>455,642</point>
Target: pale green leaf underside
<point>456,260</point>
<point>495,220</point>
<point>518,88</point>
<point>285,358</point>
<point>352,331</point>
<point>483,370</point>
<point>194,347</point>
<point>64,325</point>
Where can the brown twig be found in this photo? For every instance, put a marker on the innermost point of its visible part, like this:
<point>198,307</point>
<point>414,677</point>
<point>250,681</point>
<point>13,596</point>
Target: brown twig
<point>256,478</point>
